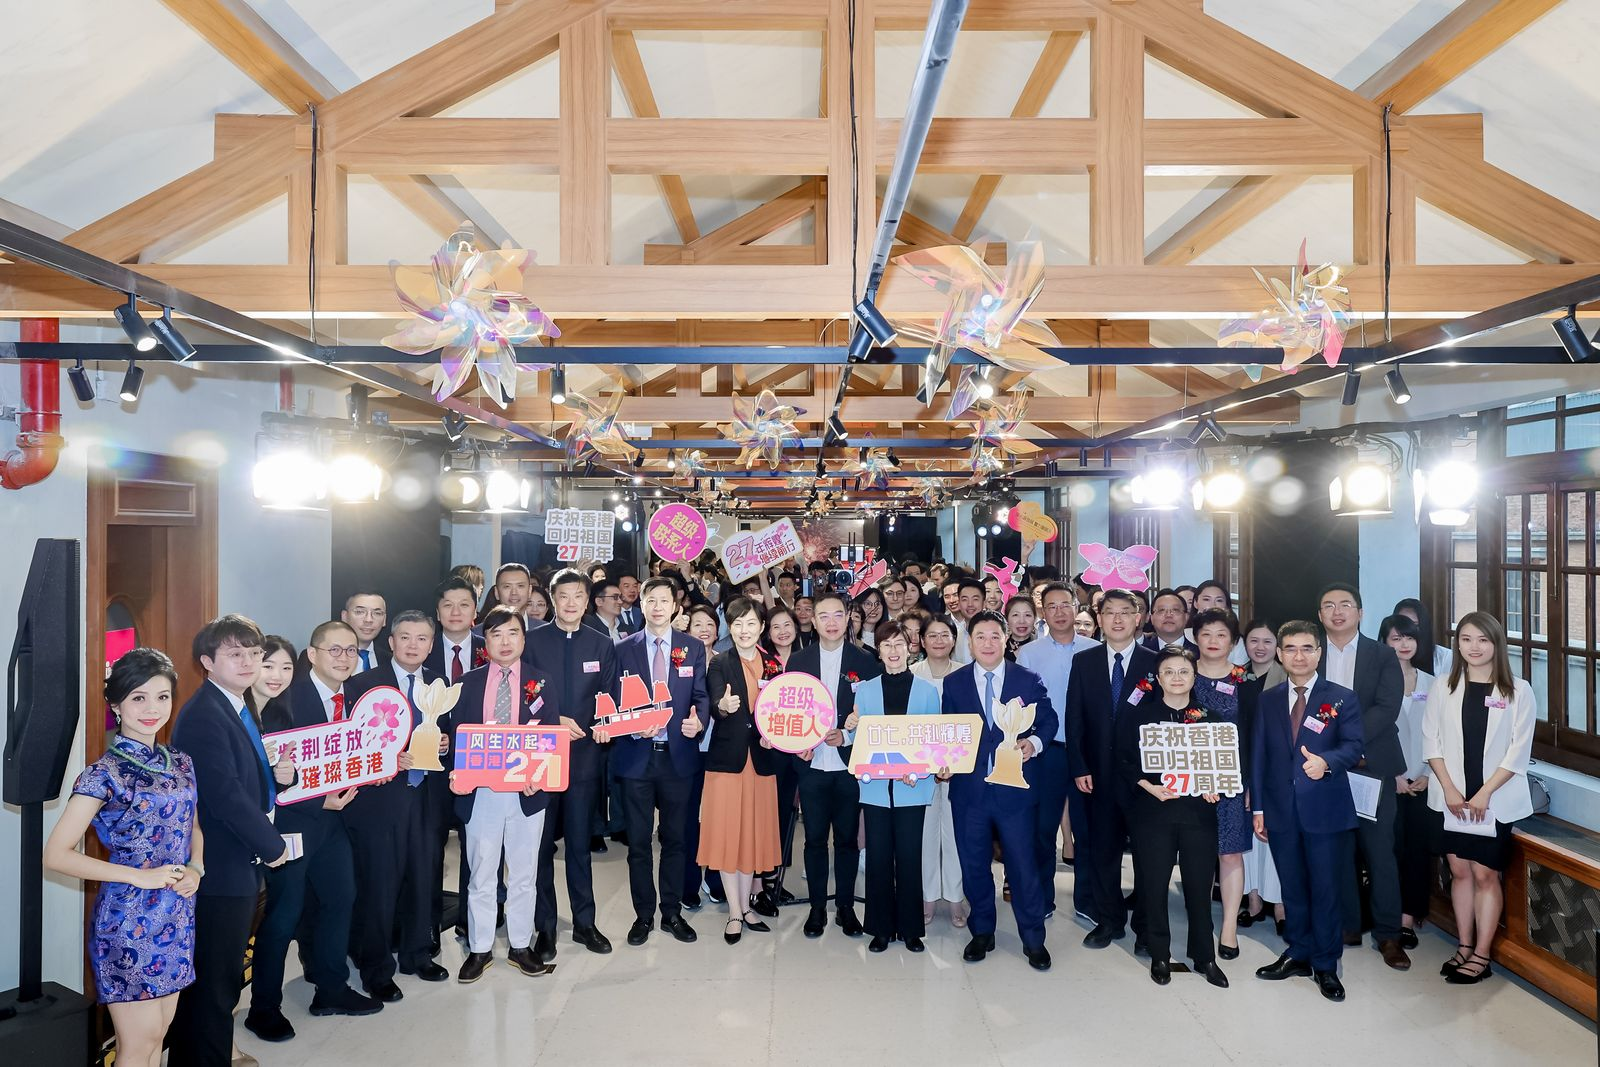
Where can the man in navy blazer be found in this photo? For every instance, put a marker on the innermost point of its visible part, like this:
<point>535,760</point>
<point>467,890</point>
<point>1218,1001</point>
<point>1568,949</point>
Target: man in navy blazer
<point>234,786</point>
<point>322,885</point>
<point>656,769</point>
<point>985,810</point>
<point>1103,685</point>
<point>456,650</point>
<point>1307,736</point>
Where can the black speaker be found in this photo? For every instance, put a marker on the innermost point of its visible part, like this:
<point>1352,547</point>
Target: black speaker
<point>43,676</point>
<point>1295,555</point>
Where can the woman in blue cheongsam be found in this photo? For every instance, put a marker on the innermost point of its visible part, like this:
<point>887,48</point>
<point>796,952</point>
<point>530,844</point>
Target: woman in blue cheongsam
<point>1216,689</point>
<point>140,799</point>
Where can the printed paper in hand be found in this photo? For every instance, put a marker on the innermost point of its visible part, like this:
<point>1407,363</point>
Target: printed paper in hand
<point>1456,824</point>
<point>1366,792</point>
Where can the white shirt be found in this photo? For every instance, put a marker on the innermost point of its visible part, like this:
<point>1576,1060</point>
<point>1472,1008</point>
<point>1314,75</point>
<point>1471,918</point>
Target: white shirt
<point>980,679</point>
<point>1341,662</point>
<point>236,703</point>
<point>401,674</point>
<point>962,653</point>
<point>1412,709</point>
<point>327,697</point>
<point>828,757</point>
<point>1127,660</point>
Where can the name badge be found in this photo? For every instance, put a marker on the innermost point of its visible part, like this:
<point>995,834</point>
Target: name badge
<point>538,702</point>
<point>1495,702</point>
<point>856,685</point>
<point>591,666</point>
<point>1135,696</point>
<point>762,684</point>
<point>1314,725</point>
<point>1225,688</point>
<point>685,672</point>
<point>1419,696</point>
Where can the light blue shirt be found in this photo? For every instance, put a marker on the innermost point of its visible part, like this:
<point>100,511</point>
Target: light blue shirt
<point>1052,661</point>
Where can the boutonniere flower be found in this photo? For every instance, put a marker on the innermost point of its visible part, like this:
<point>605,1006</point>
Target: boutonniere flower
<point>1194,715</point>
<point>1147,683</point>
<point>530,691</point>
<point>679,654</point>
<point>480,657</point>
<point>852,677</point>
<point>770,667</point>
<point>1329,712</point>
<point>1237,674</point>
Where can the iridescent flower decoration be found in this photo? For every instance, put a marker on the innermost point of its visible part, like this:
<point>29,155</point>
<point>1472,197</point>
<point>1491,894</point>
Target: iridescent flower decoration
<point>595,432</point>
<point>998,422</point>
<point>984,314</point>
<point>1308,316</point>
<point>986,462</point>
<point>873,468</point>
<point>692,466</point>
<point>470,306</point>
<point>761,426</point>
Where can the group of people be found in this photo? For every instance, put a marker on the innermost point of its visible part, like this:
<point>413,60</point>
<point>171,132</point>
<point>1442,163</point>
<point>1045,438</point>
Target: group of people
<point>705,804</point>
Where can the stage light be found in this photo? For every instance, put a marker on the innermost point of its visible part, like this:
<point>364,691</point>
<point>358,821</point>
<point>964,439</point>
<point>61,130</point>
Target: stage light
<point>985,386</point>
<point>506,491</point>
<point>461,490</point>
<point>455,424</point>
<point>672,459</point>
<point>1221,491</point>
<point>1159,488</point>
<point>558,384</point>
<point>658,493</point>
<point>835,433</point>
<point>627,526</point>
<point>132,382</point>
<point>1360,489</point>
<point>1570,332</point>
<point>1398,391</point>
<point>290,481</point>
<point>638,479</point>
<point>1003,513</point>
<point>82,387</point>
<point>860,345</point>
<point>983,531</point>
<point>174,342</point>
<point>1352,388</point>
<point>620,511</point>
<point>872,320</point>
<point>995,529</point>
<point>134,326</point>
<point>354,479</point>
<point>1446,491</point>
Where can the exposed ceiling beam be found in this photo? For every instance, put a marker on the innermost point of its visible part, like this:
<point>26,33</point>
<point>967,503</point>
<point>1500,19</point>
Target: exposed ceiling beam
<point>753,225</point>
<point>629,66</point>
<point>1244,200</point>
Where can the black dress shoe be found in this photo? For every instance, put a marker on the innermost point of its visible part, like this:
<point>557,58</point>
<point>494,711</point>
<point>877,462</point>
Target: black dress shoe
<point>679,928</point>
<point>914,944</point>
<point>1140,948</point>
<point>816,923</point>
<point>1329,986</point>
<point>1286,966</point>
<point>433,944</point>
<point>1249,918</point>
<point>473,966</point>
<point>528,962</point>
<point>639,932</point>
<point>387,992</point>
<point>1038,958</point>
<point>428,972</point>
<point>756,926</point>
<point>544,946</point>
<point>1227,952</point>
<point>1100,937</point>
<point>786,897</point>
<point>621,838</point>
<point>878,944</point>
<point>1408,937</point>
<point>1214,975</point>
<point>1160,971</point>
<point>732,937</point>
<point>461,931</point>
<point>763,905</point>
<point>693,902</point>
<point>597,843</point>
<point>847,921</point>
<point>269,1026</point>
<point>345,1002</point>
<point>590,938</point>
<point>979,947</point>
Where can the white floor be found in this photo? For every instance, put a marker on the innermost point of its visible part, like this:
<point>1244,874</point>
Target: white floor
<point>778,998</point>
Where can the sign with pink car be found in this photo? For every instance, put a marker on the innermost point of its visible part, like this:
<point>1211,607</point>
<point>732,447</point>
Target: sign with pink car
<point>893,746</point>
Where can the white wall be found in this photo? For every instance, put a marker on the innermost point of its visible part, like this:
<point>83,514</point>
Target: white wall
<point>1189,560</point>
<point>274,567</point>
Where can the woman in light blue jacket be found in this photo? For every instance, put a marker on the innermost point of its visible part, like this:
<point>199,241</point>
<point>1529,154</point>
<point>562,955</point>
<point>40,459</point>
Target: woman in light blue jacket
<point>892,803</point>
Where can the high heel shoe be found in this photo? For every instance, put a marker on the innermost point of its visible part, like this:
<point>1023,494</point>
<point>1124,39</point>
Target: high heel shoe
<point>756,925</point>
<point>1227,952</point>
<point>1408,937</point>
<point>958,914</point>
<point>732,937</point>
<point>1455,962</point>
<point>1462,976</point>
<point>1250,918</point>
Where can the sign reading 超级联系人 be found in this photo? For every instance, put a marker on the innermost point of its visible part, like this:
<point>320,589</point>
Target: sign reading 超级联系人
<point>1193,759</point>
<point>362,748</point>
<point>505,759</point>
<point>893,746</point>
<point>794,712</point>
<point>745,554</point>
<point>579,534</point>
<point>677,533</point>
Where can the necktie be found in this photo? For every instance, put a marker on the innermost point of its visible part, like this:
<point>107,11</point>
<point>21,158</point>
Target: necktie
<point>988,707</point>
<point>1297,713</point>
<point>366,659</point>
<point>658,667</point>
<point>502,698</point>
<point>338,707</point>
<point>413,778</point>
<point>455,664</point>
<point>261,749</point>
<point>1117,678</point>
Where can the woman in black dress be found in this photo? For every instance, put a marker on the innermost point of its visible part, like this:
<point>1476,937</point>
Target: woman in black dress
<point>1477,736</point>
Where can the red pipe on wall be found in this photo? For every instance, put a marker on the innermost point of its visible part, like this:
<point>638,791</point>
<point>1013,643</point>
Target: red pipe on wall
<point>39,440</point>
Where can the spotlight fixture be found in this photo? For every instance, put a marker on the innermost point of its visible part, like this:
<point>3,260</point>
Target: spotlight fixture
<point>1361,488</point>
<point>672,459</point>
<point>835,434</point>
<point>462,490</point>
<point>82,387</point>
<point>132,382</point>
<point>558,384</point>
<point>1159,487</point>
<point>291,480</point>
<point>1352,388</point>
<point>174,342</point>
<point>506,491</point>
<point>455,425</point>
<point>1446,491</point>
<point>134,326</point>
<point>860,345</point>
<point>1570,332</point>
<point>869,318</point>
<point>1220,491</point>
<point>354,479</point>
<point>620,511</point>
<point>1206,426</point>
<point>1398,390</point>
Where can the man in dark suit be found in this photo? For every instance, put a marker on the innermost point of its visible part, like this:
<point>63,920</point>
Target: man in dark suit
<point>392,853</point>
<point>656,769</point>
<point>830,798</point>
<point>605,611</point>
<point>983,810</point>
<point>581,663</point>
<point>1308,733</point>
<point>456,649</point>
<point>235,791</point>
<point>1373,672</point>
<point>632,615</point>
<point>326,874</point>
<point>1169,617</point>
<point>1101,687</point>
<point>366,613</point>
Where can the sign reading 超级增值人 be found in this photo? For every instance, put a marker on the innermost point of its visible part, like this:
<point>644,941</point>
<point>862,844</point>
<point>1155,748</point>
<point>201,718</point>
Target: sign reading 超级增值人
<point>794,712</point>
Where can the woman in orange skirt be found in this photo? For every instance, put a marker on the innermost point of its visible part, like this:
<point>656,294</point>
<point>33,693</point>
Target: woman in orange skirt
<point>739,812</point>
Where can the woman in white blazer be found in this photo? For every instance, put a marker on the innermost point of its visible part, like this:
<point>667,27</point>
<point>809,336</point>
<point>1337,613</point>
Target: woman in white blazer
<point>1416,827</point>
<point>1477,736</point>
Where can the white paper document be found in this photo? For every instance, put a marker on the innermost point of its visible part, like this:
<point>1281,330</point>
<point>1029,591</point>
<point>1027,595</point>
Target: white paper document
<point>1364,791</point>
<point>1455,823</point>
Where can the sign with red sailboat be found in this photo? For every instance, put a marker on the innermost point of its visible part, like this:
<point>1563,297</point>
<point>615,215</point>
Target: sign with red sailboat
<point>641,709</point>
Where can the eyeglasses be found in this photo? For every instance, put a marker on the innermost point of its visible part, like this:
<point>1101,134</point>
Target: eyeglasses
<point>1300,650</point>
<point>1119,615</point>
<point>241,655</point>
<point>368,613</point>
<point>338,651</point>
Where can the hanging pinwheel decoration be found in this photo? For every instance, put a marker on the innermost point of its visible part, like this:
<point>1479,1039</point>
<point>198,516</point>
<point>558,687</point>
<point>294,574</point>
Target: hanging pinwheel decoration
<point>595,431</point>
<point>984,315</point>
<point>692,466</point>
<point>994,436</point>
<point>470,306</point>
<point>761,426</point>
<point>1308,316</point>
<point>873,468</point>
